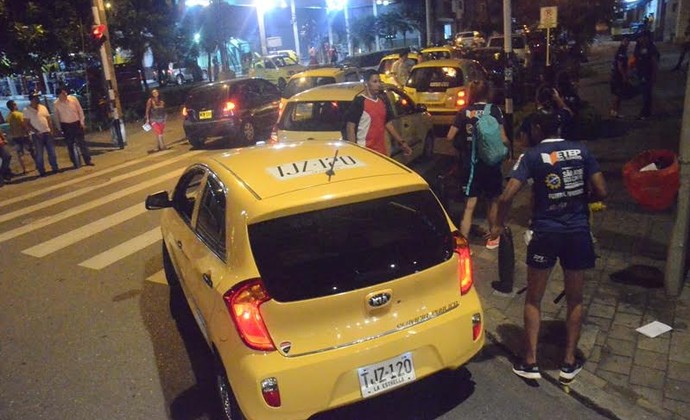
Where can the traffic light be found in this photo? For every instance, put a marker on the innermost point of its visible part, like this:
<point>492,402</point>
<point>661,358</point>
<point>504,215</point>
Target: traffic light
<point>98,35</point>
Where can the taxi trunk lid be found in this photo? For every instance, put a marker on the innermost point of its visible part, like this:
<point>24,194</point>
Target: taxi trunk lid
<point>355,272</point>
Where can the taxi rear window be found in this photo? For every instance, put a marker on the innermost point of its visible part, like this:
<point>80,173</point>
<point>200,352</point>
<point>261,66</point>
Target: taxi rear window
<point>313,116</point>
<point>300,84</point>
<point>435,79</point>
<point>349,247</point>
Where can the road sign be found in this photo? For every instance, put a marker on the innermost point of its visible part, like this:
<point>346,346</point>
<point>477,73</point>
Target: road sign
<point>548,17</point>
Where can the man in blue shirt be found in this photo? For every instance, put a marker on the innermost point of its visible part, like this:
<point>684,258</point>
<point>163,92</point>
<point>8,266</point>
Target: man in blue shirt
<point>566,178</point>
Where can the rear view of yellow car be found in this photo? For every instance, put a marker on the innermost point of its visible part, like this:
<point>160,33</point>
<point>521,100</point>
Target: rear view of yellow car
<point>318,77</point>
<point>442,86</point>
<point>441,53</point>
<point>320,274</point>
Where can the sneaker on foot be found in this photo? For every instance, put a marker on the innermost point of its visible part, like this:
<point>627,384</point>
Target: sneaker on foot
<point>569,371</point>
<point>527,371</point>
<point>493,243</point>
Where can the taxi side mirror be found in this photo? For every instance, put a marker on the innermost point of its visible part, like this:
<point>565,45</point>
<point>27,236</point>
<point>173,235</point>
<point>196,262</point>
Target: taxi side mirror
<point>158,201</point>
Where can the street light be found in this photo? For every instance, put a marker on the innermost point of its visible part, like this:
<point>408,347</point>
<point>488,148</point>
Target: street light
<point>197,37</point>
<point>263,6</point>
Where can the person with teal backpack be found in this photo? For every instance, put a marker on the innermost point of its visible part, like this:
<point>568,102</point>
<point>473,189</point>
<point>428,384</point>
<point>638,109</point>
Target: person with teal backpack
<point>483,147</point>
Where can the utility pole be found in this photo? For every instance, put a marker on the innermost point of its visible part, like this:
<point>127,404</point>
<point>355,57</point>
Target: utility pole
<point>508,70</point>
<point>99,18</point>
<point>677,246</point>
<point>429,28</point>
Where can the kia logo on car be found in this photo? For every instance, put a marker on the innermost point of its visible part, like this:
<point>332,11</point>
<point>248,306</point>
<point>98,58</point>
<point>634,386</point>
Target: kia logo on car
<point>379,299</point>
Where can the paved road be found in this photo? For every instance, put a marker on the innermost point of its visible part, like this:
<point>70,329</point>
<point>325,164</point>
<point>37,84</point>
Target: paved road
<point>87,330</point>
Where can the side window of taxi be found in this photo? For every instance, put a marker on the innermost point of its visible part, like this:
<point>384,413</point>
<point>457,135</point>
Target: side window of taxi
<point>402,103</point>
<point>186,192</point>
<point>352,76</point>
<point>210,224</point>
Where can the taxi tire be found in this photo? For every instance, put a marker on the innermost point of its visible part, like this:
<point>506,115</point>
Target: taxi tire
<point>196,142</point>
<point>229,408</point>
<point>169,269</point>
<point>428,151</point>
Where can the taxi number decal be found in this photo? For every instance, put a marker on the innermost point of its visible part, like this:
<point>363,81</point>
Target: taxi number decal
<point>314,166</point>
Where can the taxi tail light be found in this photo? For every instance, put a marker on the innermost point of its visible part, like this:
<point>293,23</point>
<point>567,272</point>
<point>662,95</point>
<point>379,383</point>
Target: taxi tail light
<point>228,108</point>
<point>462,248</point>
<point>184,112</point>
<point>244,304</point>
<point>270,392</point>
<point>461,100</point>
<point>476,326</point>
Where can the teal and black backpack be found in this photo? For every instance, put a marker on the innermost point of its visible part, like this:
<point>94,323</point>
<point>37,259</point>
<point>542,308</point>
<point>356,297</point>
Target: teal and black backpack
<point>487,144</point>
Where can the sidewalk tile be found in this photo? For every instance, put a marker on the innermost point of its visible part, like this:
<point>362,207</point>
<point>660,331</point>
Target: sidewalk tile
<point>658,344</point>
<point>615,363</point>
<point>678,370</point>
<point>602,310</point>
<point>648,377</point>
<point>621,332</point>
<point>654,396</point>
<point>650,359</point>
<point>620,347</point>
<point>680,408</point>
<point>677,390</point>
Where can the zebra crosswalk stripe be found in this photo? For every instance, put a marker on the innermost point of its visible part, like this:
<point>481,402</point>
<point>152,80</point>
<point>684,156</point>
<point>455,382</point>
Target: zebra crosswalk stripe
<point>158,277</point>
<point>123,250</point>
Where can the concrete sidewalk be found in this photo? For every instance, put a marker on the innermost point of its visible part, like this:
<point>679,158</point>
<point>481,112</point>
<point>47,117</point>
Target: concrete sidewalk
<point>627,375</point>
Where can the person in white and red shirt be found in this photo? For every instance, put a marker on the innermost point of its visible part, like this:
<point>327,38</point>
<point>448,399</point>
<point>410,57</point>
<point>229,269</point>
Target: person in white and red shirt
<point>71,117</point>
<point>40,124</point>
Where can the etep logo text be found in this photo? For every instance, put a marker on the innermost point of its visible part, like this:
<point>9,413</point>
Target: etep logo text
<point>561,156</point>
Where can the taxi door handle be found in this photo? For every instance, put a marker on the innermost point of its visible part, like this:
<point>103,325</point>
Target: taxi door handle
<point>179,244</point>
<point>207,279</point>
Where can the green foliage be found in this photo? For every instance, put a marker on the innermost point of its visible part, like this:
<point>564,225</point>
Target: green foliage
<point>362,35</point>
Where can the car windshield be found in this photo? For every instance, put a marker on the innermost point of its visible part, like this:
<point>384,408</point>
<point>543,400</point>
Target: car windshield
<point>283,60</point>
<point>386,65</point>
<point>300,84</point>
<point>436,55</point>
<point>207,96</point>
<point>313,116</point>
<point>335,250</point>
<point>435,79</point>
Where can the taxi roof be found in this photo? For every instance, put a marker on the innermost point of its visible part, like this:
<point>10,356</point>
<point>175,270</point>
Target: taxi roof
<point>446,62</point>
<point>395,56</point>
<point>334,92</point>
<point>319,72</point>
<point>273,170</point>
<point>441,48</point>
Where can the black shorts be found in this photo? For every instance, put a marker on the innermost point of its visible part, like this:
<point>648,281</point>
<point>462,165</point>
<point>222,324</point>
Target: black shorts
<point>575,250</point>
<point>484,181</point>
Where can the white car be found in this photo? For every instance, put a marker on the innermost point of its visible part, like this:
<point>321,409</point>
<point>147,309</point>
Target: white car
<point>520,47</point>
<point>469,39</point>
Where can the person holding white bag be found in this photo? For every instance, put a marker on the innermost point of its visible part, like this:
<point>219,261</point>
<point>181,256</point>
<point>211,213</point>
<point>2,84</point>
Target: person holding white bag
<point>155,117</point>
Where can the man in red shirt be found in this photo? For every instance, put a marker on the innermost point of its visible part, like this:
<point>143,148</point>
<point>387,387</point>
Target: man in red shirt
<point>369,116</point>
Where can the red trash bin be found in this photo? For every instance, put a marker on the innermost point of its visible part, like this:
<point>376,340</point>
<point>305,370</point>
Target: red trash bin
<point>653,189</point>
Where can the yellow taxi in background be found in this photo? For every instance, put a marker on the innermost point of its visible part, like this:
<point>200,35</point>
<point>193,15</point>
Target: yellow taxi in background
<point>320,274</point>
<point>318,76</point>
<point>441,86</point>
<point>386,64</point>
<point>319,114</point>
<point>276,68</point>
<point>441,53</point>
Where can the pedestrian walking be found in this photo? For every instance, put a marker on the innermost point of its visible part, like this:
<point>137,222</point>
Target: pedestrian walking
<point>19,135</point>
<point>155,116</point>
<point>370,116</point>
<point>70,115</point>
<point>482,179</point>
<point>563,172</point>
<point>40,124</point>
<point>620,84</point>
<point>646,64</point>
<point>5,158</point>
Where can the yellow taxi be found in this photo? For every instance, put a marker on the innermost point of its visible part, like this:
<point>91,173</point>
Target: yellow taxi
<point>276,68</point>
<point>441,53</point>
<point>386,65</point>
<point>320,274</point>
<point>319,114</point>
<point>441,85</point>
<point>318,76</point>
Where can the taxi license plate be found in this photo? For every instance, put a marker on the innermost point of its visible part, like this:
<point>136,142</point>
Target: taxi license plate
<point>431,97</point>
<point>386,375</point>
<point>205,115</point>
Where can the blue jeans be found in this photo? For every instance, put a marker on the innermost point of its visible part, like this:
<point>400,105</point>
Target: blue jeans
<point>45,141</point>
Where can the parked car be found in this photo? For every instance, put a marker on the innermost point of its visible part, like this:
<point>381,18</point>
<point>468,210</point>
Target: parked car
<point>469,39</point>
<point>441,86</point>
<point>239,109</point>
<point>179,74</point>
<point>386,64</point>
<point>521,48</point>
<point>320,274</point>
<point>276,69</point>
<point>318,114</point>
<point>318,77</point>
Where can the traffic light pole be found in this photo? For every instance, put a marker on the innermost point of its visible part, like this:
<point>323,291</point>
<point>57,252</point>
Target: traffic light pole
<point>114,106</point>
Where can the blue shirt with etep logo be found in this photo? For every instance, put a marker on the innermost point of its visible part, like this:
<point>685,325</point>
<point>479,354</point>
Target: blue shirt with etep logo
<point>561,171</point>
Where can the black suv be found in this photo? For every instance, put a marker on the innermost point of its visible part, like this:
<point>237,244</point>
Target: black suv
<point>238,109</point>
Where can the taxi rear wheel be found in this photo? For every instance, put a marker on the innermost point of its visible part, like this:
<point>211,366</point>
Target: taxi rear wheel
<point>229,409</point>
<point>170,274</point>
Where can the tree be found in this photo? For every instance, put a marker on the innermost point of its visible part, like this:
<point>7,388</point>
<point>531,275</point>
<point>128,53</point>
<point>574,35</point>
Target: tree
<point>361,32</point>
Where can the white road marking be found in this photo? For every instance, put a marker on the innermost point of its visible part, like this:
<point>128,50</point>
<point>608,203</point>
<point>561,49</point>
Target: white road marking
<point>70,195</point>
<point>35,193</point>
<point>123,250</point>
<point>158,277</point>
<point>74,236</point>
<point>38,224</point>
